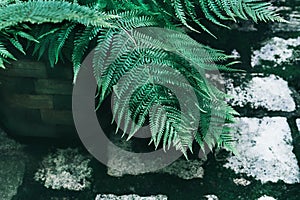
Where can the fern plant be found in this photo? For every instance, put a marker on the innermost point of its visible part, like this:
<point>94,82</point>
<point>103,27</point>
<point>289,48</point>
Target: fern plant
<point>135,64</point>
<point>198,11</point>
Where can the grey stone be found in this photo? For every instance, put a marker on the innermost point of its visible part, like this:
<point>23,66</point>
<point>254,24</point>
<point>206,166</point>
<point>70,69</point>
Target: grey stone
<point>12,166</point>
<point>276,50</point>
<point>7,145</point>
<point>65,169</point>
<point>185,169</point>
<point>129,197</point>
<point>211,197</point>
<point>271,92</point>
<point>265,150</point>
<point>241,181</point>
<point>124,165</point>
<point>298,124</point>
<point>11,176</point>
<point>265,197</point>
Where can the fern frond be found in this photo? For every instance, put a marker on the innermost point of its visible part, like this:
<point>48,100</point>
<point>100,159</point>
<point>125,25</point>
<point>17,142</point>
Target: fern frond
<point>26,36</point>
<point>81,43</point>
<point>209,12</point>
<point>42,11</point>
<point>4,55</point>
<point>57,42</point>
<point>261,11</point>
<point>133,19</point>
<point>136,64</point>
<point>11,38</point>
<point>61,40</point>
<point>45,34</point>
<point>215,11</point>
<point>139,66</point>
<point>226,141</point>
<point>180,13</point>
<point>15,42</point>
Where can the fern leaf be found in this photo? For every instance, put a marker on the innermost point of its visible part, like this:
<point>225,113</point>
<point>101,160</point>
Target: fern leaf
<point>27,36</point>
<point>42,11</point>
<point>15,42</point>
<point>81,44</point>
<point>4,53</point>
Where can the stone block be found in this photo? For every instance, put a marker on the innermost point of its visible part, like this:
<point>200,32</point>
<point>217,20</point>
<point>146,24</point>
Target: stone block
<point>57,117</point>
<point>29,101</point>
<point>18,85</point>
<point>62,102</point>
<point>60,71</point>
<point>51,86</point>
<point>25,68</point>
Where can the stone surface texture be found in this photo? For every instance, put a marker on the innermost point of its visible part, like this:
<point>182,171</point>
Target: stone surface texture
<point>129,197</point>
<point>271,92</point>
<point>277,50</point>
<point>12,166</point>
<point>65,169</point>
<point>265,197</point>
<point>265,150</point>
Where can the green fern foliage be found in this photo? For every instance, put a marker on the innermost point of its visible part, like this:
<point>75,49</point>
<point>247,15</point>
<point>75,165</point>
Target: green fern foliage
<point>51,41</point>
<point>136,69</point>
<point>12,37</point>
<point>42,11</point>
<point>142,57</point>
<point>215,11</point>
<point>4,55</point>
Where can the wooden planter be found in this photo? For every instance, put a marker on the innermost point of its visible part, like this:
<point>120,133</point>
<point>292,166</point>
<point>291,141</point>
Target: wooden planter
<point>35,100</point>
